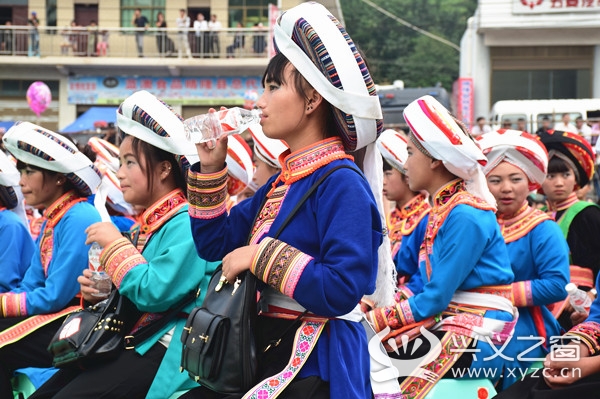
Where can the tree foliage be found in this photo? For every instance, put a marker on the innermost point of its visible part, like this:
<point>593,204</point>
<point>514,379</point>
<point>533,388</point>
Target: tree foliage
<point>395,51</point>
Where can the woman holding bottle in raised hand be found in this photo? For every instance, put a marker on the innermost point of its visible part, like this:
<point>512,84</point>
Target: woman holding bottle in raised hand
<point>156,275</point>
<point>326,258</point>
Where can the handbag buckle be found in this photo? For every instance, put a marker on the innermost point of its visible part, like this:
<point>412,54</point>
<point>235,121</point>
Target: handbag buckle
<point>204,338</point>
<point>127,339</point>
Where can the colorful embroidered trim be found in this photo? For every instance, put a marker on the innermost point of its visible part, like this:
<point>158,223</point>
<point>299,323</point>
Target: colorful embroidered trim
<point>53,215</point>
<point>522,223</point>
<point>522,294</point>
<point>582,276</point>
<point>305,161</point>
<point>267,214</point>
<point>30,325</point>
<point>566,204</point>
<point>162,211</point>
<point>278,264</point>
<point>13,305</point>
<point>452,345</point>
<point>588,332</point>
<point>207,194</point>
<point>304,342</point>
<point>449,196</point>
<point>119,258</point>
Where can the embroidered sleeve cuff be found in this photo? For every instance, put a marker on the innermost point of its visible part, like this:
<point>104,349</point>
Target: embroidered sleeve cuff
<point>403,293</point>
<point>587,333</point>
<point>395,316</point>
<point>521,293</point>
<point>119,258</point>
<point>278,264</point>
<point>13,305</point>
<point>207,194</point>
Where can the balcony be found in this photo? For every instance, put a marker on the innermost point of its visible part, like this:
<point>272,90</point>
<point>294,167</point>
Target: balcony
<point>91,50</point>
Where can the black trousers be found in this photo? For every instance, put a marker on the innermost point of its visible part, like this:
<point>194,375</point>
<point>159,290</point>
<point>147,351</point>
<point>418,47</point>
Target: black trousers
<point>127,377</point>
<point>29,351</point>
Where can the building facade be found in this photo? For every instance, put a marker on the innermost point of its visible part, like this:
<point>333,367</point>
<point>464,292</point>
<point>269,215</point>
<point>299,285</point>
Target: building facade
<point>530,49</point>
<point>96,61</point>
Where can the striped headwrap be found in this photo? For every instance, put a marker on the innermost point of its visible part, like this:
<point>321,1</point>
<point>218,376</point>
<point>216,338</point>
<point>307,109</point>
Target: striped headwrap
<point>34,145</point>
<point>436,133</point>
<point>9,182</point>
<point>239,164</point>
<point>520,149</point>
<point>147,118</point>
<point>392,146</point>
<point>266,149</point>
<point>321,50</point>
<point>574,149</point>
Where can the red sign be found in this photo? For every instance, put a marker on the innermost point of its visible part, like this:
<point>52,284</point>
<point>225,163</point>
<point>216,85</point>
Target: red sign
<point>463,88</point>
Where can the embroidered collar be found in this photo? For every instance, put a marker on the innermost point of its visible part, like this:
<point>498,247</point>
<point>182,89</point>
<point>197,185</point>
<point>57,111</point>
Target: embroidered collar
<point>305,161</point>
<point>56,211</point>
<point>521,223</point>
<point>566,204</point>
<point>445,194</point>
<point>509,219</point>
<point>162,210</point>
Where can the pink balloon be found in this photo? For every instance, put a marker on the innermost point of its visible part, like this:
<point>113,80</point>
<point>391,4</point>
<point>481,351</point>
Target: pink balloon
<point>38,97</point>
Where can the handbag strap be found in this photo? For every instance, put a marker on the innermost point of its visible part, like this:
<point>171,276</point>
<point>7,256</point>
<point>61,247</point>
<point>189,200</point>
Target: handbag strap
<point>147,331</point>
<point>309,192</point>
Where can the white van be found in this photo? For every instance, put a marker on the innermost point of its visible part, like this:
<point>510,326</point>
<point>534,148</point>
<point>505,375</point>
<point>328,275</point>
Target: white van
<point>507,112</point>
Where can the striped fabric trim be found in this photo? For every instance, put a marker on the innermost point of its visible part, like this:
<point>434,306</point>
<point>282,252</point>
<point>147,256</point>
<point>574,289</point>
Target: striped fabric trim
<point>119,258</point>
<point>519,226</point>
<point>581,276</point>
<point>521,293</point>
<point>588,333</point>
<point>280,265</point>
<point>207,194</point>
<point>28,326</point>
<point>14,305</point>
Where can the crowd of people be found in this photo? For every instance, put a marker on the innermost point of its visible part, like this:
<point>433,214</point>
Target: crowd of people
<point>199,38</point>
<point>456,253</point>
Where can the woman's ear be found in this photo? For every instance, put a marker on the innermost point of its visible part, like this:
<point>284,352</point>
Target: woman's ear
<point>165,169</point>
<point>435,163</point>
<point>313,100</point>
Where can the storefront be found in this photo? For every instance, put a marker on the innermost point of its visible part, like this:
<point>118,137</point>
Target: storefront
<point>531,49</point>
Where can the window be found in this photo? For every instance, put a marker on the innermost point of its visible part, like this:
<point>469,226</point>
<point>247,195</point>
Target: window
<point>249,12</point>
<point>150,8</point>
<point>50,12</point>
<point>540,84</point>
<point>18,88</point>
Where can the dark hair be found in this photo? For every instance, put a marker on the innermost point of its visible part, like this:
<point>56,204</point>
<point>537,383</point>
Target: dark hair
<point>68,186</point>
<point>153,156</point>
<point>386,165</point>
<point>480,118</point>
<point>275,73</point>
<point>558,165</point>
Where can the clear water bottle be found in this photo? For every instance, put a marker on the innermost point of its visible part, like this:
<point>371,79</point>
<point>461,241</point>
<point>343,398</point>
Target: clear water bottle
<point>211,126</point>
<point>101,280</point>
<point>579,299</point>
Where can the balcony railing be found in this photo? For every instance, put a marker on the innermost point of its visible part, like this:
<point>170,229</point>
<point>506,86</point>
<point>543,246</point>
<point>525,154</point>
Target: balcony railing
<point>123,42</point>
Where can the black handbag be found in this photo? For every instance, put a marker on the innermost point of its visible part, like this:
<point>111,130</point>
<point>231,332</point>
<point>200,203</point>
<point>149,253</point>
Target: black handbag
<point>219,347</point>
<point>95,333</point>
<point>100,332</point>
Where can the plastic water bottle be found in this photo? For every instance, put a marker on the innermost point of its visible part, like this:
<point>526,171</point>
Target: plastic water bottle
<point>102,280</point>
<point>213,125</point>
<point>580,301</point>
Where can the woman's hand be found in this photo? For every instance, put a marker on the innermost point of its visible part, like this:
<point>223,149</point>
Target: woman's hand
<point>559,373</point>
<point>212,153</point>
<point>104,233</point>
<point>238,261</point>
<point>87,287</point>
<point>578,317</point>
